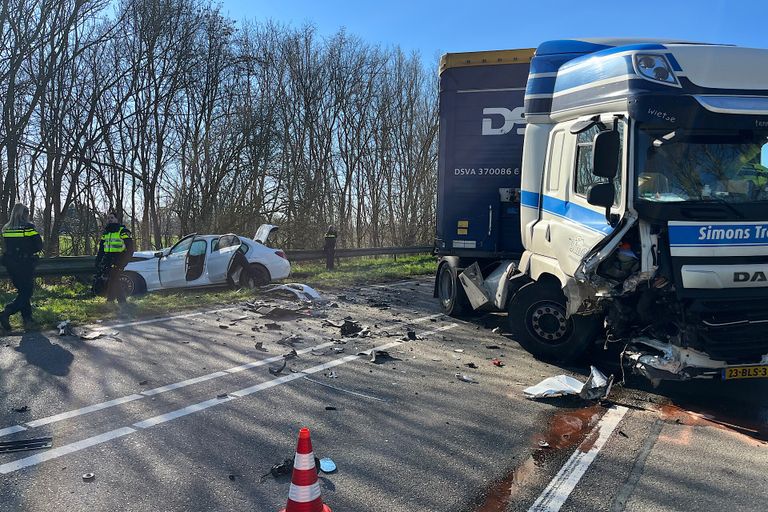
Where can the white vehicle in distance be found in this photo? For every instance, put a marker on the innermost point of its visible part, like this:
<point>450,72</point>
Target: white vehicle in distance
<point>207,260</point>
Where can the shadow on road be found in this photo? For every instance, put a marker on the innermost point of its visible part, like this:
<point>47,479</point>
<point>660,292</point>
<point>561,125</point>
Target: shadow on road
<point>49,357</point>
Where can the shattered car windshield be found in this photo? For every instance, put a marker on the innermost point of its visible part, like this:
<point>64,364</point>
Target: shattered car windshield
<point>702,166</point>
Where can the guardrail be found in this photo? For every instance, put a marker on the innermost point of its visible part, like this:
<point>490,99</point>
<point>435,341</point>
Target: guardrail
<point>84,265</point>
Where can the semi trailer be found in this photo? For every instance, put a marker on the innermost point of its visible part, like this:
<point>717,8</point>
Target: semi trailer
<point>610,192</point>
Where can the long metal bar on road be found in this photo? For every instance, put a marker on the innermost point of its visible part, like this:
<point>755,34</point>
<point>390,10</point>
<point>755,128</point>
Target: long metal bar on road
<point>84,265</point>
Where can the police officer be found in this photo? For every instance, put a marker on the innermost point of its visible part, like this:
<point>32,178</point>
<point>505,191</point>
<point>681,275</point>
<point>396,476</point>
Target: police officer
<point>21,243</point>
<point>115,251</point>
<point>330,247</point>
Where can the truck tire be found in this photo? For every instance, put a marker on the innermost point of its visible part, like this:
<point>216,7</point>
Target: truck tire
<point>453,299</point>
<point>536,316</point>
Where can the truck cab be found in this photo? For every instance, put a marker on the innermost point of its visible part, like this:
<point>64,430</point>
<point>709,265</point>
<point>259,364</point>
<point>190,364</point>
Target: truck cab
<point>643,209</point>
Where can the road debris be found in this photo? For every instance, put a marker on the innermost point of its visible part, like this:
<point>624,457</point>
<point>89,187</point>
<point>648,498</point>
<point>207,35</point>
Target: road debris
<point>327,465</point>
<point>23,408</point>
<point>300,291</point>
<point>274,370</point>
<point>273,326</point>
<point>260,346</point>
<point>65,328</point>
<point>411,335</point>
<point>91,335</point>
<point>88,477</point>
<point>223,326</point>
<point>543,444</point>
<point>468,365</point>
<point>330,408</point>
<point>21,445</point>
<point>492,347</point>
<point>290,341</point>
<point>597,386</point>
<point>290,355</point>
<point>279,469</point>
<point>222,395</point>
<point>143,382</point>
<point>459,350</point>
<point>497,362</point>
<point>331,375</point>
<point>466,378</point>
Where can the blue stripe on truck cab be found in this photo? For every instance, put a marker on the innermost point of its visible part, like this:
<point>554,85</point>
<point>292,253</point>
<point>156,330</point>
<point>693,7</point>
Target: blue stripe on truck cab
<point>576,213</point>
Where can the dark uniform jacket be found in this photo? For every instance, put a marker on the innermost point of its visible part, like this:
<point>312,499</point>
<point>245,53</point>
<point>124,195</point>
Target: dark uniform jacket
<point>21,245</point>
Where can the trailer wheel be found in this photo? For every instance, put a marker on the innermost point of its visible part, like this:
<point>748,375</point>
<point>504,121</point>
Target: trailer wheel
<point>453,299</point>
<point>536,316</point>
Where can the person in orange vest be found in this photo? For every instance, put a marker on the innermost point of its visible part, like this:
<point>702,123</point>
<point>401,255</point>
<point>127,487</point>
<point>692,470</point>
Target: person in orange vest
<point>115,251</point>
<point>21,243</point>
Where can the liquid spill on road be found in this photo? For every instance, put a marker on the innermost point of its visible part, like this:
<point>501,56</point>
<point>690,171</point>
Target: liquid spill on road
<point>567,428</point>
<point>744,426</point>
<point>502,493</point>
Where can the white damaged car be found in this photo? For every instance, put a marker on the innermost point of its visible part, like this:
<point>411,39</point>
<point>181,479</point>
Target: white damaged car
<point>207,260</point>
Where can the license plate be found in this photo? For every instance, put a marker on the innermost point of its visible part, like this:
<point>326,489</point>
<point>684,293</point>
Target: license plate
<point>745,372</point>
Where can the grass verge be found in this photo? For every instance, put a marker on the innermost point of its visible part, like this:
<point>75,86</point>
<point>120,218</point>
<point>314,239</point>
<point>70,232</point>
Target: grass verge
<point>72,300</point>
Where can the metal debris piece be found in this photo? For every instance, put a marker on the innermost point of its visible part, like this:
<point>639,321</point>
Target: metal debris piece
<point>301,291</point>
<point>331,375</point>
<point>337,350</point>
<point>459,350</point>
<point>274,370</point>
<point>597,386</point>
<point>88,477</point>
<point>244,317</point>
<point>65,328</point>
<point>411,335</point>
<point>91,335</point>
<point>466,378</point>
<point>543,444</point>
<point>290,355</point>
<point>468,365</point>
<point>290,341</point>
<point>348,328</point>
<point>23,408</point>
<point>260,346</point>
<point>21,445</point>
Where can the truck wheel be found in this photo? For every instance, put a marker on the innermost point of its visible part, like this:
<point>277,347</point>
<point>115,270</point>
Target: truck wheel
<point>536,316</point>
<point>453,298</point>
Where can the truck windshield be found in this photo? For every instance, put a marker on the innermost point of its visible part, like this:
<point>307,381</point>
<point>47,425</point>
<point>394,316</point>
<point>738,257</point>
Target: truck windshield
<point>702,166</point>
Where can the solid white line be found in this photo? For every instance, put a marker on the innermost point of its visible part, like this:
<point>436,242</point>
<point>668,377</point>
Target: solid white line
<point>558,490</point>
<point>84,410</point>
<point>11,430</point>
<point>163,418</point>
<point>387,285</point>
<point>183,384</point>
<point>54,453</point>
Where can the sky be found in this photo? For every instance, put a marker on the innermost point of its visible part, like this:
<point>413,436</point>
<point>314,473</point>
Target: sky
<point>433,28</point>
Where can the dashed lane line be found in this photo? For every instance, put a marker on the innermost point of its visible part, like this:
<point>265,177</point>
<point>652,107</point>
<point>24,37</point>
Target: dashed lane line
<point>70,448</point>
<point>162,389</point>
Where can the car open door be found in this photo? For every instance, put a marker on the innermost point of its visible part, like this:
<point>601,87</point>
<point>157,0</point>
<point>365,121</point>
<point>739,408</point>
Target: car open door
<point>172,268</point>
<point>263,233</point>
<point>222,250</point>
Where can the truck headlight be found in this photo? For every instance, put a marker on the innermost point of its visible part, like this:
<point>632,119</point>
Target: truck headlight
<point>655,68</point>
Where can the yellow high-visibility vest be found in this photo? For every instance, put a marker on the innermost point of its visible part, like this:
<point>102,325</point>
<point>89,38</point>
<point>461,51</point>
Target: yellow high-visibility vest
<point>113,242</point>
<point>19,233</point>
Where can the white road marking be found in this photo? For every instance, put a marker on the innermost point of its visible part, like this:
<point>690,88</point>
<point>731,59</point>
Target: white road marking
<point>84,410</point>
<point>561,486</point>
<point>387,285</point>
<point>163,319</point>
<point>163,418</point>
<point>11,430</point>
<point>55,453</point>
<point>169,387</point>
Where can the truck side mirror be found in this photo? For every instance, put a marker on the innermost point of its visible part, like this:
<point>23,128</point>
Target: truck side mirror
<point>603,194</point>
<point>605,154</point>
<point>158,254</point>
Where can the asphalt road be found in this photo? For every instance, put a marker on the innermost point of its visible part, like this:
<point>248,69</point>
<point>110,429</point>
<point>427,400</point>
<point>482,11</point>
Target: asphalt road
<point>183,414</point>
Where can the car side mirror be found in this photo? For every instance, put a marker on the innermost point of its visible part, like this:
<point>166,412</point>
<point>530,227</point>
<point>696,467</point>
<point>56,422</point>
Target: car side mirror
<point>603,194</point>
<point>159,254</point>
<point>605,154</point>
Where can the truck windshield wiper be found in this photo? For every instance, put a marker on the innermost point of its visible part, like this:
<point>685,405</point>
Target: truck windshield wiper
<point>720,201</point>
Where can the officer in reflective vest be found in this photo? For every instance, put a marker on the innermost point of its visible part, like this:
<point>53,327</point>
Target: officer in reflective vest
<point>330,247</point>
<point>115,251</point>
<point>21,243</point>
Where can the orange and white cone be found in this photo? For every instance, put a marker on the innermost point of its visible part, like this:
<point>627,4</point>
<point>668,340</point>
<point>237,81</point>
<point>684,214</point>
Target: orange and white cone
<point>304,494</point>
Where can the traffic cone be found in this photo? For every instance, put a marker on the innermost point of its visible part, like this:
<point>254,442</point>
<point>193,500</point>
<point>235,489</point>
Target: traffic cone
<point>304,494</point>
